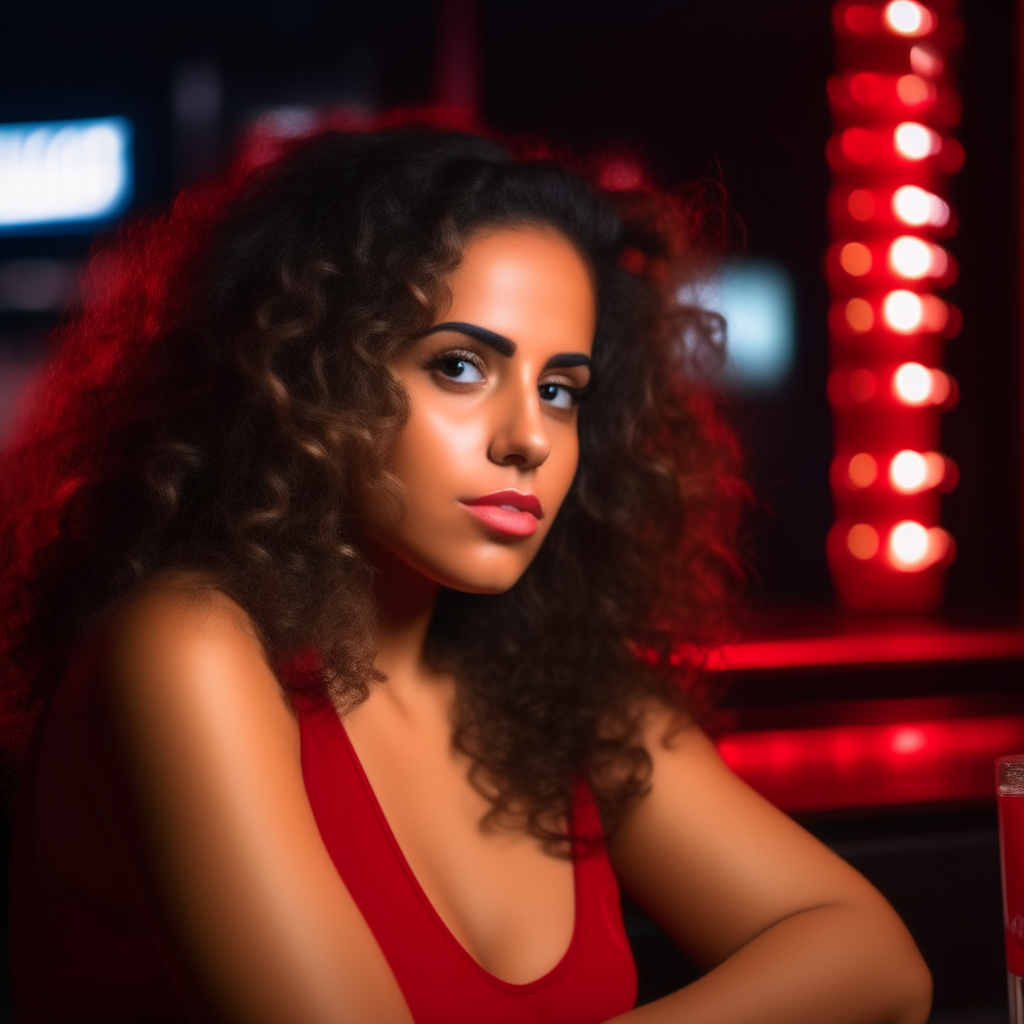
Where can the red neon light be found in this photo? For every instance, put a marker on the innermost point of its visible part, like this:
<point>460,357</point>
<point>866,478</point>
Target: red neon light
<point>914,384</point>
<point>874,765</point>
<point>850,265</point>
<point>870,649</point>
<point>868,92</point>
<point>905,18</point>
<point>894,105</point>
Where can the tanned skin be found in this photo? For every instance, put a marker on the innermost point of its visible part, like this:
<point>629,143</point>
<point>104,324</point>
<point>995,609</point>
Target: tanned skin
<point>194,750</point>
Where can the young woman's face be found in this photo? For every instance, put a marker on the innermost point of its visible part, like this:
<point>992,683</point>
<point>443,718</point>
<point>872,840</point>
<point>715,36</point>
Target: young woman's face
<point>490,448</point>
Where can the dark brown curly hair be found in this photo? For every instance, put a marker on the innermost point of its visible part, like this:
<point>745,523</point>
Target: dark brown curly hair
<point>224,399</point>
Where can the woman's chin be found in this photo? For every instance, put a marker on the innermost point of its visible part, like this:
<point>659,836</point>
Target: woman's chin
<point>489,572</point>
<point>493,570</point>
<point>481,581</point>
<point>481,587</point>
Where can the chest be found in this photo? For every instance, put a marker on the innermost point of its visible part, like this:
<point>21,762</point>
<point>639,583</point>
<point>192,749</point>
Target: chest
<point>506,901</point>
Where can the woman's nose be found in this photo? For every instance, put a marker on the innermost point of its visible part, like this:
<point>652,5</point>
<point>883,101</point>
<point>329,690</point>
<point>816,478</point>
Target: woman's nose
<point>520,436</point>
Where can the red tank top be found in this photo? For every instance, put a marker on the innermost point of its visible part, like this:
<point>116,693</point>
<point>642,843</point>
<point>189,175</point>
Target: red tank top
<point>441,982</point>
<point>75,960</point>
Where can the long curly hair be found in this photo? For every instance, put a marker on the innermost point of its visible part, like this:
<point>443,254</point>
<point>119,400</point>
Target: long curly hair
<point>223,405</point>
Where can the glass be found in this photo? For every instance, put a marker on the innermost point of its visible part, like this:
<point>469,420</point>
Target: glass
<point>1010,797</point>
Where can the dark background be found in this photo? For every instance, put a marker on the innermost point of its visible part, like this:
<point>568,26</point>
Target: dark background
<point>732,89</point>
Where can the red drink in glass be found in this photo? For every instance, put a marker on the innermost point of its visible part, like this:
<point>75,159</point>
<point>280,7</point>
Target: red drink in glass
<point>1010,797</point>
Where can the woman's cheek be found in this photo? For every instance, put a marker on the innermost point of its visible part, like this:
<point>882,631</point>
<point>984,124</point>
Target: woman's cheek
<point>445,454</point>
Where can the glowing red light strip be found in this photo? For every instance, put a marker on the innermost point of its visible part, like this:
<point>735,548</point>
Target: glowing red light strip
<point>840,767</point>
<point>871,649</point>
<point>894,106</point>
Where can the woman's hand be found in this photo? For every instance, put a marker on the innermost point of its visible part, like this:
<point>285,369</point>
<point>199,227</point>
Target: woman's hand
<point>199,769</point>
<point>790,932</point>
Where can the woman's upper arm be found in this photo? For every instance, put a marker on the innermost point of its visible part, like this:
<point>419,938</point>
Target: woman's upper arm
<point>202,778</point>
<point>714,862</point>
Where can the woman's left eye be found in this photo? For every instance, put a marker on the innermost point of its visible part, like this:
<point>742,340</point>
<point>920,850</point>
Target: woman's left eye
<point>560,396</point>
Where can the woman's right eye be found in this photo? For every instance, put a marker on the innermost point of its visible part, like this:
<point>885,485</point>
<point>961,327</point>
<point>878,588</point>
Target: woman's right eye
<point>459,368</point>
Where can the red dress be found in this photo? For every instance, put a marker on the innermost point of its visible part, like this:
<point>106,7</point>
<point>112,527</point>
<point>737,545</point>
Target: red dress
<point>441,982</point>
<point>74,960</point>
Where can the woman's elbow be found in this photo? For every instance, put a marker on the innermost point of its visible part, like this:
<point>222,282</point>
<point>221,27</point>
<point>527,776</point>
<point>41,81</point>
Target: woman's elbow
<point>915,989</point>
<point>901,972</point>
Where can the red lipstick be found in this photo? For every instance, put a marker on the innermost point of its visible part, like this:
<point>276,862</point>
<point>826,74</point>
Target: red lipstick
<point>509,512</point>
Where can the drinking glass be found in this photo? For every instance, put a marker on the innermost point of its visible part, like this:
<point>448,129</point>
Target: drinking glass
<point>1010,797</point>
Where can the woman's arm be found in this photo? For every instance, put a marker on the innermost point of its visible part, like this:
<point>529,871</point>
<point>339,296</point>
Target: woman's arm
<point>198,761</point>
<point>792,933</point>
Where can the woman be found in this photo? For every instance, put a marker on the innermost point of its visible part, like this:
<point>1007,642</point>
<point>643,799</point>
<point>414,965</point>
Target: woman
<point>355,539</point>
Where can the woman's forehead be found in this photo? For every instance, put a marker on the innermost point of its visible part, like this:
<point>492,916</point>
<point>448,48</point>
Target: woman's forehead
<point>524,282</point>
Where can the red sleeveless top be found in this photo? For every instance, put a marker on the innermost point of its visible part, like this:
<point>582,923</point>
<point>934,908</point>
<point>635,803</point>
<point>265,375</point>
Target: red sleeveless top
<point>76,960</point>
<point>441,982</point>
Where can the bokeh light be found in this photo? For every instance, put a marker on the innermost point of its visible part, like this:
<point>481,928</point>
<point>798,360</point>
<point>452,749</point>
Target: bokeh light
<point>941,387</point>
<point>912,547</point>
<point>862,470</point>
<point>859,315</point>
<point>918,207</point>
<point>862,541</point>
<point>907,18</point>
<point>935,313</point>
<point>861,204</point>
<point>912,384</point>
<point>926,60</point>
<point>913,141</point>
<point>908,545</point>
<point>855,259</point>
<point>911,257</point>
<point>756,300</point>
<point>65,172</point>
<point>911,472</point>
<point>913,90</point>
<point>903,311</point>
<point>908,740</point>
<point>908,471</point>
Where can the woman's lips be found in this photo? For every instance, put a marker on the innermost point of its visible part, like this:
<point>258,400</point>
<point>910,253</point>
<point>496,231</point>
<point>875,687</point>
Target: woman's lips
<point>509,512</point>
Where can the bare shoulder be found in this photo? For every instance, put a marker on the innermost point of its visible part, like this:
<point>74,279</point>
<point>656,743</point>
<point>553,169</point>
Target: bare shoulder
<point>180,630</point>
<point>179,613</point>
<point>184,664</point>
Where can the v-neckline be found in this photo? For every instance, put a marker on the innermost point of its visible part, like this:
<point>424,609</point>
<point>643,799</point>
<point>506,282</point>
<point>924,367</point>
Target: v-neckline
<point>545,979</point>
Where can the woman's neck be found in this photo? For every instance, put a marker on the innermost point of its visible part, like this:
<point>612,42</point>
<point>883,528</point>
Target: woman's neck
<point>405,604</point>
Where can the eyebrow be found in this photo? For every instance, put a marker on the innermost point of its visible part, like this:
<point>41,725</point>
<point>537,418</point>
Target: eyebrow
<point>567,359</point>
<point>506,346</point>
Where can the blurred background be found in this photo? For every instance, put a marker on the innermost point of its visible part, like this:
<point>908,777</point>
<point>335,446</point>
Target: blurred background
<point>875,728</point>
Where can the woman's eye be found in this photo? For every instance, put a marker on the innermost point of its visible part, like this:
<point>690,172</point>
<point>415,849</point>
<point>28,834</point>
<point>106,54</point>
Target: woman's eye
<point>458,368</point>
<point>558,395</point>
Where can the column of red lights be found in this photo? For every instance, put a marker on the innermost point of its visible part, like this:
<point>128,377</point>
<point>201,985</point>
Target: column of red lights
<point>894,105</point>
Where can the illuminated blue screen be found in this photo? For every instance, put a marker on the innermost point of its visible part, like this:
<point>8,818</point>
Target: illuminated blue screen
<point>73,173</point>
<point>756,299</point>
